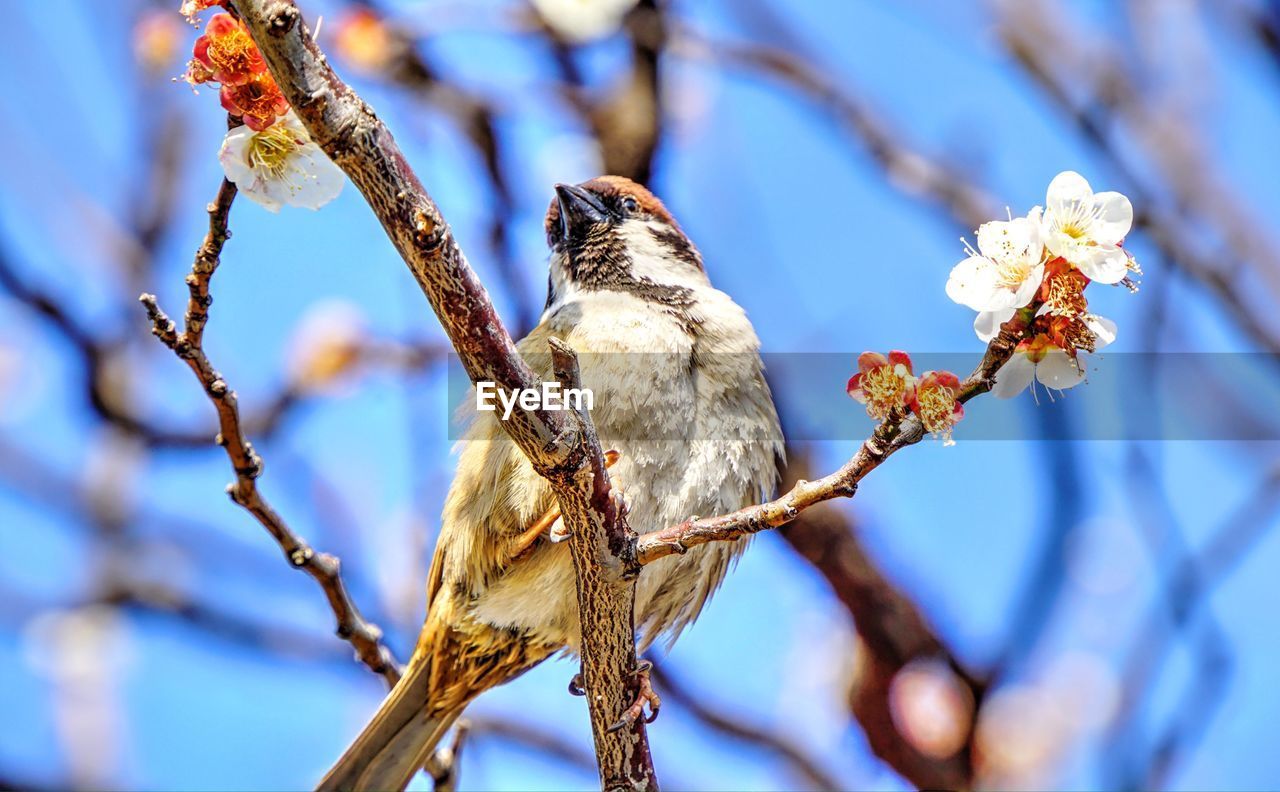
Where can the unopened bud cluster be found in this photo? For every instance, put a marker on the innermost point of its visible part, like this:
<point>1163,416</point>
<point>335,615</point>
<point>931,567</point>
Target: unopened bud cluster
<point>888,387</point>
<point>226,54</point>
<point>271,157</point>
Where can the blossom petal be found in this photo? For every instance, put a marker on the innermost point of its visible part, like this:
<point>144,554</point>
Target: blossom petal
<point>1067,190</point>
<point>581,21</point>
<point>946,379</point>
<point>1101,263</point>
<point>1032,229</point>
<point>307,178</point>
<point>264,200</point>
<point>1059,371</point>
<point>1064,245</point>
<point>1103,329</point>
<point>973,283</point>
<point>992,237</point>
<point>1002,238</point>
<point>232,155</point>
<point>323,180</point>
<point>987,324</point>
<point>235,165</point>
<point>1113,218</point>
<point>854,388</point>
<point>1013,377</point>
<point>899,358</point>
<point>279,191</point>
<point>1029,287</point>
<point>871,360</point>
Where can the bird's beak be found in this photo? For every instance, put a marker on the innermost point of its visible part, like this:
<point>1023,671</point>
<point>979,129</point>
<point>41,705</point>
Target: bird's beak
<point>578,209</point>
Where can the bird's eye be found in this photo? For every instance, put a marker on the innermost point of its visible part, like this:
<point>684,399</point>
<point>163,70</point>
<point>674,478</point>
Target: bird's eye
<point>629,205</point>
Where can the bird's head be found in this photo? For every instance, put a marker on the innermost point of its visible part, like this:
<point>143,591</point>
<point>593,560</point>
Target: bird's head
<point>611,234</point>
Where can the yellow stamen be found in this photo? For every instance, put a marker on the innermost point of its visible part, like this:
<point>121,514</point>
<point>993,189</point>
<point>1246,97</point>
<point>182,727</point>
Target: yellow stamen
<point>1013,265</point>
<point>936,407</point>
<point>1011,272</point>
<point>885,389</point>
<point>270,150</point>
<point>232,52</point>
<point>1077,221</point>
<point>1066,295</point>
<point>1076,335</point>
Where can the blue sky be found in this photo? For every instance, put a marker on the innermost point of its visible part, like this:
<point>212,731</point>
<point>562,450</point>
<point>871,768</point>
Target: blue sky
<point>796,223</point>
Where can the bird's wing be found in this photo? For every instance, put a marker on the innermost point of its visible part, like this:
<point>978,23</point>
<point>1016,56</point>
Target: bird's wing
<point>496,496</point>
<point>435,575</point>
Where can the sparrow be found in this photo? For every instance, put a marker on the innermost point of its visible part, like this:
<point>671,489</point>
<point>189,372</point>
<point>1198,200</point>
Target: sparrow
<point>679,396</point>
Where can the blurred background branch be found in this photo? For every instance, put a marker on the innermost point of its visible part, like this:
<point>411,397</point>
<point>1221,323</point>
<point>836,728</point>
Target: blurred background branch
<point>915,638</point>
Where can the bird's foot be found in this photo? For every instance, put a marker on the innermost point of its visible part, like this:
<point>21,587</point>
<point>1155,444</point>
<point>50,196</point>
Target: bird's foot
<point>550,524</point>
<point>646,695</point>
<point>615,481</point>
<point>526,541</point>
<point>576,686</point>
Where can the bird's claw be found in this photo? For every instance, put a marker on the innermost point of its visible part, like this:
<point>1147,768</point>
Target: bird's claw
<point>576,688</point>
<point>646,695</point>
<point>551,523</point>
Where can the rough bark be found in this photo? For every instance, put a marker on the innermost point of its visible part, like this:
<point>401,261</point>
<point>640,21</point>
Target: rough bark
<point>556,443</point>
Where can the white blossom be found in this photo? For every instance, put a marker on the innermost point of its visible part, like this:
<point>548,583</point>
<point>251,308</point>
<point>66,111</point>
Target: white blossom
<point>583,20</point>
<point>1086,228</point>
<point>1053,367</point>
<point>280,165</point>
<point>987,323</point>
<point>1005,271</point>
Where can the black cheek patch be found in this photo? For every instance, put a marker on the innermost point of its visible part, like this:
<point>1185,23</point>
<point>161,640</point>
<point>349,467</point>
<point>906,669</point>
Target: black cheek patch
<point>551,292</point>
<point>678,245</point>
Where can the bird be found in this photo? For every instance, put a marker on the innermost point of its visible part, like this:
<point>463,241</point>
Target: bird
<point>678,395</point>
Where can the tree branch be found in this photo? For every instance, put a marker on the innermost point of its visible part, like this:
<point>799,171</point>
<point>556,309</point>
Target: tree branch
<point>1039,37</point>
<point>908,169</point>
<point>477,117</point>
<point>188,345</point>
<point>561,447</point>
<point>444,765</point>
<point>601,545</point>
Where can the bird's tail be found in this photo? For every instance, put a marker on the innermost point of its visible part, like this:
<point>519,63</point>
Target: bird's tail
<point>449,668</point>
<point>399,739</point>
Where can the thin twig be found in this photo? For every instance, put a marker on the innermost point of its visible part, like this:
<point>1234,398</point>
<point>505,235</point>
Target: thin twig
<point>1039,37</point>
<point>909,170</point>
<point>893,434</point>
<point>443,766</point>
<point>363,635</point>
<point>101,358</point>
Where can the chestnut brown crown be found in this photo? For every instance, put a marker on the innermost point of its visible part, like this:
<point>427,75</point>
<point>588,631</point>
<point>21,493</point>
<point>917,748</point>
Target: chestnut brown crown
<point>602,199</point>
